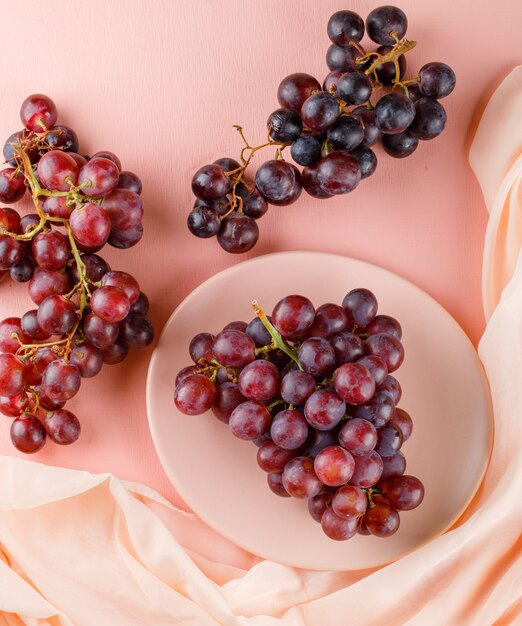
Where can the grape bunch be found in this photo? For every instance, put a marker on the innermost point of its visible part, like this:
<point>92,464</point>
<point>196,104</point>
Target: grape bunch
<point>85,314</point>
<point>331,129</point>
<point>314,390</point>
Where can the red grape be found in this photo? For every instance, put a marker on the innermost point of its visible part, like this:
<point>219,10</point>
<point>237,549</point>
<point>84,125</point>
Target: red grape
<point>358,436</point>
<point>62,137</point>
<point>295,89</point>
<point>87,358</point>
<point>195,395</point>
<point>368,470</point>
<point>292,316</point>
<point>10,220</point>
<point>392,387</point>
<point>376,366</point>
<point>13,406</point>
<point>334,466</point>
<point>317,357</point>
<point>297,387</point>
<point>57,170</point>
<point>98,177</point>
<point>354,383</point>
<point>403,421</point>
<point>228,397</point>
<point>300,479</point>
<point>100,333</point>
<point>90,226</point>
<point>31,328</point>
<point>8,327</point>
<point>338,528</point>
<point>350,501</point>
<point>115,353</point>
<point>210,182</point>
<point>56,315</point>
<point>201,347</point>
<point>324,409</point>
<point>129,180</point>
<point>38,112</point>
<point>289,429</point>
<point>249,420</point>
<point>12,375</point>
<point>61,381</point>
<point>124,207</point>
<point>318,504</point>
<point>379,410</point>
<point>10,252</point>
<point>404,492</point>
<point>275,482</point>
<point>388,347</point>
<point>259,381</point>
<point>125,282</point>
<point>330,320</point>
<point>12,186</point>
<point>393,466</point>
<point>384,324</point>
<point>110,304</point>
<point>389,441</point>
<point>348,347</point>
<point>51,250</point>
<point>273,459</point>
<point>233,348</point>
<point>62,427</point>
<point>28,434</point>
<point>382,520</point>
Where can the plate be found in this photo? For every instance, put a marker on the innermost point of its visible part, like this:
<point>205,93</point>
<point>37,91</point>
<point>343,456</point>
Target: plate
<point>444,390</point>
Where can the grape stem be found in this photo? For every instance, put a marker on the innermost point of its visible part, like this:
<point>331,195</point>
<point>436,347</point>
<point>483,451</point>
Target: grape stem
<point>277,340</point>
<point>37,141</point>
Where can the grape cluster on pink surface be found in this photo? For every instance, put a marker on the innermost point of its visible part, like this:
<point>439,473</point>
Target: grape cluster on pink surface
<point>84,314</point>
<point>314,389</point>
<point>331,128</point>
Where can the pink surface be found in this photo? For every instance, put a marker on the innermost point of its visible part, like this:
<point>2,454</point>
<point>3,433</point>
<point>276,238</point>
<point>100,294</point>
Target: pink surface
<point>162,87</point>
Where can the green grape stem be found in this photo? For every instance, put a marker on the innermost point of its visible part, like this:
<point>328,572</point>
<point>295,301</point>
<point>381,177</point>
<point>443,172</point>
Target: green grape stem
<point>277,339</point>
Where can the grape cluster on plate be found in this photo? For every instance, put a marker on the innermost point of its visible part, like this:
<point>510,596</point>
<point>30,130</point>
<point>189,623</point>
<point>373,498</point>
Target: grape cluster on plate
<point>312,388</point>
<point>86,314</point>
<point>329,128</point>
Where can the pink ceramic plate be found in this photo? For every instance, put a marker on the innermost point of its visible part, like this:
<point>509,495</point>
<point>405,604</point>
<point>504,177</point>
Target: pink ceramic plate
<point>444,389</point>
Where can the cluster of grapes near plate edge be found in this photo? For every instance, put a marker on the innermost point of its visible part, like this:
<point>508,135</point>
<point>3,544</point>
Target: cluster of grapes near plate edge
<point>330,130</point>
<point>312,388</point>
<point>87,315</point>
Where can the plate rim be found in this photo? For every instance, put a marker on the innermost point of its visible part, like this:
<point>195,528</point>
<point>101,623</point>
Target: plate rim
<point>215,277</point>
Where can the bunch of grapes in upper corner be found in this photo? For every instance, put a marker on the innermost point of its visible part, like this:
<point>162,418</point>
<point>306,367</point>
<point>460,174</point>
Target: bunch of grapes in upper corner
<point>312,388</point>
<point>86,315</point>
<point>330,129</point>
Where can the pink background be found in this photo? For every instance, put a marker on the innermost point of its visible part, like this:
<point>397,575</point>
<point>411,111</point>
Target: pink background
<point>161,84</point>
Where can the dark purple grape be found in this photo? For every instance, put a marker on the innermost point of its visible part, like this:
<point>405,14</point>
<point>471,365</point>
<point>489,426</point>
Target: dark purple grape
<point>203,221</point>
<point>239,233</point>
<point>318,504</point>
<point>320,111</point>
<point>354,88</point>
<point>338,173</point>
<point>330,320</point>
<point>136,332</point>
<point>210,183</point>
<point>293,315</point>
<point>388,347</point>
<point>393,466</point>
<point>311,183</point>
<point>295,89</point>
<point>367,160</point>
<point>324,409</point>
<point>279,182</point>
<point>344,58</point>
<point>227,163</point>
<point>63,137</point>
<point>200,347</point>
<point>275,482</point>
<point>297,387</point>
<point>394,113</point>
<point>257,331</point>
<point>125,239</point>
<point>195,395</point>
<point>379,410</point>
<point>12,142</point>
<point>389,440</point>
<point>249,420</point>
<point>22,271</point>
<point>360,306</point>
<point>87,358</point>
<point>317,357</point>
<point>319,439</point>
<point>259,381</point>
<point>345,27</point>
<point>437,80</point>
<point>372,133</point>
<point>430,119</point>
<point>284,125</point>
<point>400,146</point>
<point>129,180</point>
<point>306,150</point>
<point>384,324</point>
<point>404,492</point>
<point>95,268</point>
<point>228,397</point>
<point>386,72</point>
<point>346,134</point>
<point>348,348</point>
<point>403,421</point>
<point>358,436</point>
<point>392,387</point>
<point>386,24</point>
<point>141,306</point>
<point>331,80</point>
<point>254,205</point>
